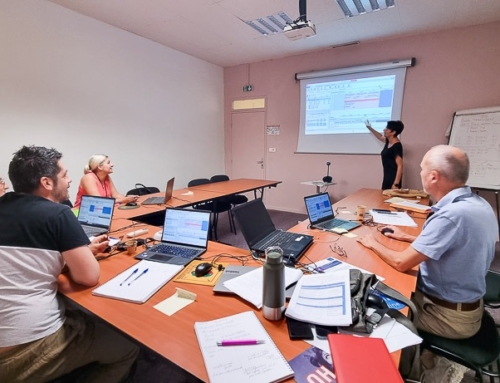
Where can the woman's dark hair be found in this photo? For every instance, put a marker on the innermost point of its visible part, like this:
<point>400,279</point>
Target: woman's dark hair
<point>395,126</point>
<point>29,164</point>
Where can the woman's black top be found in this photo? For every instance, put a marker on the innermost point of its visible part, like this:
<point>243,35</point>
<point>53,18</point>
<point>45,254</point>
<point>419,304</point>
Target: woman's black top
<point>389,155</point>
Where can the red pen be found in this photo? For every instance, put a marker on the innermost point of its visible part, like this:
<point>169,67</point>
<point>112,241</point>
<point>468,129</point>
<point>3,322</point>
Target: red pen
<point>239,342</point>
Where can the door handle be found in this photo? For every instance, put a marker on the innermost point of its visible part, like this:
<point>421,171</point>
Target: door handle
<point>260,162</point>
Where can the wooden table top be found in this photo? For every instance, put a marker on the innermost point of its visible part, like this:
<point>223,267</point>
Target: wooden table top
<point>174,338</point>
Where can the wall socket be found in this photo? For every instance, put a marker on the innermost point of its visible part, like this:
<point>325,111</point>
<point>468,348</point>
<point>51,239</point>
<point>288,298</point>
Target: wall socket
<point>247,88</point>
<point>272,150</point>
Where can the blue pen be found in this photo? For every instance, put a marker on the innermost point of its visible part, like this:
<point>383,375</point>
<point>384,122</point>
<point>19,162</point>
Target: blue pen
<point>126,279</point>
<point>140,275</point>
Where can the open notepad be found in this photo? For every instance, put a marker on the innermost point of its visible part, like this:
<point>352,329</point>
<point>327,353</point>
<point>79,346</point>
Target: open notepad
<point>242,364</point>
<point>138,283</point>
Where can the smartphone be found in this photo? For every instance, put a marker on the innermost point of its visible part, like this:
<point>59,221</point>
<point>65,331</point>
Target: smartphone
<point>298,329</point>
<point>323,331</point>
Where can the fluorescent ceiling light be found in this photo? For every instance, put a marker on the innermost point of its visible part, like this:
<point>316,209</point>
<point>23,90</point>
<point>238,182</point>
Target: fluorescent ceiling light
<point>271,24</point>
<point>359,7</point>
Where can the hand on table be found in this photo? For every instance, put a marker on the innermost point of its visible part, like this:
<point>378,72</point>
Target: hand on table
<point>99,244</point>
<point>367,241</point>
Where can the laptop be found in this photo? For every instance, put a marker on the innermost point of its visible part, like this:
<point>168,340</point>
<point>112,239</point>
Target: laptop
<point>184,237</point>
<point>260,233</point>
<point>161,200</point>
<point>95,214</point>
<point>321,214</point>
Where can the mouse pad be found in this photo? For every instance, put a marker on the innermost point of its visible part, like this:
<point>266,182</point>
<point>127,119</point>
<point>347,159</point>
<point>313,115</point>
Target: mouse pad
<point>124,207</point>
<point>187,274</point>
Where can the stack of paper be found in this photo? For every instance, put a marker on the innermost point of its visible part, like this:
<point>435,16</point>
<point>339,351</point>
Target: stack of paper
<point>323,299</point>
<point>250,287</point>
<point>411,206</point>
<point>392,218</point>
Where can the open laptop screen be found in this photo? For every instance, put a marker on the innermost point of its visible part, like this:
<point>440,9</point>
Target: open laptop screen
<point>96,211</point>
<point>318,207</point>
<point>254,221</point>
<point>187,227</point>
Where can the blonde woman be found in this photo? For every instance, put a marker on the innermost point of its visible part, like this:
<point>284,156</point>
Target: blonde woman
<point>97,181</point>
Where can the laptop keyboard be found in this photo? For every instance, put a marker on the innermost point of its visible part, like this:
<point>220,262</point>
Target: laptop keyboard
<point>92,231</point>
<point>154,201</point>
<point>282,239</point>
<point>183,252</point>
<point>337,222</point>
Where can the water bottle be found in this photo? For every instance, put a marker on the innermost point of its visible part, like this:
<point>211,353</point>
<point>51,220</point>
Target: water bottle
<point>273,300</point>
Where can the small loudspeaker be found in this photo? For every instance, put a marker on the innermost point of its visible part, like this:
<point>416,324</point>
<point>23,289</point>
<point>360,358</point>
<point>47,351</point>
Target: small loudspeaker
<point>327,178</point>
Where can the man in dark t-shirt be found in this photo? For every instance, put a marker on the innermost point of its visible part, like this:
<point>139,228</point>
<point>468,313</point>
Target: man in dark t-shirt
<point>39,339</point>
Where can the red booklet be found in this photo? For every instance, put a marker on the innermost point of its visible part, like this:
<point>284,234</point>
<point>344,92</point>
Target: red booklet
<point>361,359</point>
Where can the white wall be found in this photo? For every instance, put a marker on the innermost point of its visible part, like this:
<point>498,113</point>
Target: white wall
<point>84,87</point>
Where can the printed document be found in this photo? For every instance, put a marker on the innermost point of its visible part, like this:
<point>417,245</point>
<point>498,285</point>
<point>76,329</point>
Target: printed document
<point>323,299</point>
<point>393,218</point>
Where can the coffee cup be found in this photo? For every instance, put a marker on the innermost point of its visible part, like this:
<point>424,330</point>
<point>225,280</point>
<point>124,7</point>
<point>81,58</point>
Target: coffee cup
<point>360,212</point>
<point>131,246</point>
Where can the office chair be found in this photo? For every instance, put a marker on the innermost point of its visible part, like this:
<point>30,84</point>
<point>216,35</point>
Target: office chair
<point>216,206</point>
<point>492,297</point>
<point>233,199</point>
<point>478,352</point>
<point>141,190</point>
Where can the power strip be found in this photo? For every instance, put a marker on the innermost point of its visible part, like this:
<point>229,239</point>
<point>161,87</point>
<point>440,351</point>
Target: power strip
<point>137,232</point>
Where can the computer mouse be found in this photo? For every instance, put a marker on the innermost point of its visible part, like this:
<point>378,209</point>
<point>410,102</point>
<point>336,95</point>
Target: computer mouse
<point>386,230</point>
<point>375,301</point>
<point>202,269</point>
<point>131,204</point>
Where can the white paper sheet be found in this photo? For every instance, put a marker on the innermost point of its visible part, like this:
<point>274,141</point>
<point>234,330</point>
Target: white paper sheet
<point>249,286</point>
<point>323,299</point>
<point>396,219</point>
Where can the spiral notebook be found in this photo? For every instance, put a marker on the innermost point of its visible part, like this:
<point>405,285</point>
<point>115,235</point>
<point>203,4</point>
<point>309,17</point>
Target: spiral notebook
<point>243,364</point>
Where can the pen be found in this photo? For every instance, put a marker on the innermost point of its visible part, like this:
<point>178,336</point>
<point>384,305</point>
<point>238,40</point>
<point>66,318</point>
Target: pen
<point>239,342</point>
<point>126,279</point>
<point>140,275</point>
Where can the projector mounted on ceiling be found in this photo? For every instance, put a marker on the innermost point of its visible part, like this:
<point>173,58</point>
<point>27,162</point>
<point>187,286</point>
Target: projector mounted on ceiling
<point>299,30</point>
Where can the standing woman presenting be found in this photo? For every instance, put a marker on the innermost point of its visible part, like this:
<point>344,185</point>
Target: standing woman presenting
<point>392,153</point>
<point>97,181</point>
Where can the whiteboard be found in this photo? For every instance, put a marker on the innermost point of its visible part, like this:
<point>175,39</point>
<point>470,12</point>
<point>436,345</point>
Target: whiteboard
<point>477,132</point>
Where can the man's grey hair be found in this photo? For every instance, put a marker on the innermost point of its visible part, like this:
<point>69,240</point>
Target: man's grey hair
<point>451,162</point>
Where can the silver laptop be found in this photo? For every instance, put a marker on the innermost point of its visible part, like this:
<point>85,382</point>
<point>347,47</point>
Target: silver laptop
<point>184,237</point>
<point>162,200</point>
<point>95,214</point>
<point>321,214</point>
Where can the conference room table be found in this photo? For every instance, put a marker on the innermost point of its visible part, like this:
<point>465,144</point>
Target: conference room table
<point>195,194</point>
<point>173,337</point>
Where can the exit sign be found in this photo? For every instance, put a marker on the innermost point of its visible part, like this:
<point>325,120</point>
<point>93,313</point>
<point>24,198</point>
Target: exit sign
<point>247,88</point>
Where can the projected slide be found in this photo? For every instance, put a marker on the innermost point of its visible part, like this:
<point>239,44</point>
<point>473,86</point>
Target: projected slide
<point>342,107</point>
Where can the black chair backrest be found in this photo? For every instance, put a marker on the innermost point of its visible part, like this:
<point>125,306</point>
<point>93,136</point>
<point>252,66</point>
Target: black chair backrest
<point>219,178</point>
<point>140,189</point>
<point>198,181</point>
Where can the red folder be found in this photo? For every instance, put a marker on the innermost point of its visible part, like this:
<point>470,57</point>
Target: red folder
<point>362,359</point>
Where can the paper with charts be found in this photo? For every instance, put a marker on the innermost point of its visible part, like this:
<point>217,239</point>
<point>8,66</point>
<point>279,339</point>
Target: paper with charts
<point>256,363</point>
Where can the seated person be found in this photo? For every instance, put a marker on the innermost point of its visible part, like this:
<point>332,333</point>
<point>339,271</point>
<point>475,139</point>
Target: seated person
<point>454,250</point>
<point>3,187</point>
<point>97,181</point>
<point>40,338</point>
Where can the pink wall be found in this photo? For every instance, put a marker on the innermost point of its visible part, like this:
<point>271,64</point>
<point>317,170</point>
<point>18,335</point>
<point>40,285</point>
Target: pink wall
<point>456,69</point>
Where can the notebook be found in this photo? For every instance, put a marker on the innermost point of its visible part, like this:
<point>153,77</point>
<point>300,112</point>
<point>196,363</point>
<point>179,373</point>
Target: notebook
<point>362,359</point>
<point>184,237</point>
<point>254,363</point>
<point>138,283</point>
<point>95,214</point>
<point>321,214</point>
<point>161,200</point>
<point>260,233</point>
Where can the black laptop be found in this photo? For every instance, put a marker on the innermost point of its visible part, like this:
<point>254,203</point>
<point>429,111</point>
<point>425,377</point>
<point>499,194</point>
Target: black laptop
<point>260,233</point>
<point>95,214</point>
<point>161,200</point>
<point>321,214</point>
<point>184,237</point>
